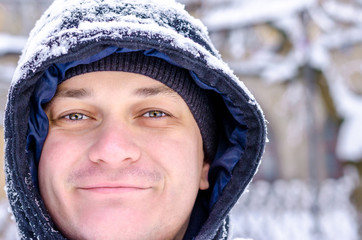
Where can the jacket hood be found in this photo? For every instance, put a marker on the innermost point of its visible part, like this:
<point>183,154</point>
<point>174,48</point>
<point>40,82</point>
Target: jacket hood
<point>73,32</point>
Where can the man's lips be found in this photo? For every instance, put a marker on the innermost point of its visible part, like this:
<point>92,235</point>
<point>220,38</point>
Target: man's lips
<point>109,188</point>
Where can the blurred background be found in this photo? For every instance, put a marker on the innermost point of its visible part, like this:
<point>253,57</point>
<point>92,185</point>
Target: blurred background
<point>302,59</point>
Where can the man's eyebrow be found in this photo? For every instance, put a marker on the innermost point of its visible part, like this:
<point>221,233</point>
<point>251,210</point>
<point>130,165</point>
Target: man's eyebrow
<point>154,91</point>
<point>72,93</point>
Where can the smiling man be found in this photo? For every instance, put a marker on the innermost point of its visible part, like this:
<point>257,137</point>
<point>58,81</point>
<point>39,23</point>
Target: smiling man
<point>123,122</point>
<point>123,151</point>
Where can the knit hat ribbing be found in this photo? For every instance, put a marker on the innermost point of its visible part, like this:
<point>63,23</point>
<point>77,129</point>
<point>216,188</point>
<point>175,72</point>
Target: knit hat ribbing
<point>178,79</point>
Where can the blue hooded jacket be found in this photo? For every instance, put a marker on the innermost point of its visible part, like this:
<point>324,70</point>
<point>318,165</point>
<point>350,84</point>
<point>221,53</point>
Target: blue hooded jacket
<point>73,32</point>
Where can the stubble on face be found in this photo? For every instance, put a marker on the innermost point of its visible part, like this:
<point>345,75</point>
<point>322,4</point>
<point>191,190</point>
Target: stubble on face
<point>91,172</point>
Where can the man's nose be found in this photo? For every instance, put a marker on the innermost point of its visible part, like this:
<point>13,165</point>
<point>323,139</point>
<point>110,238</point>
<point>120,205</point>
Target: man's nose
<point>114,144</point>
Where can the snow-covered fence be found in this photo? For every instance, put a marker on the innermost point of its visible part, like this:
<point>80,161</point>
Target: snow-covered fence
<point>286,210</point>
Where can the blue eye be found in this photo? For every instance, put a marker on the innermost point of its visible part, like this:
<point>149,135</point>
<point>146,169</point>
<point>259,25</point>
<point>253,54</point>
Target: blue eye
<point>76,116</point>
<point>154,114</point>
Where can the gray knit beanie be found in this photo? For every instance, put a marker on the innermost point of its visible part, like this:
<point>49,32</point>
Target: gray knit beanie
<point>176,78</point>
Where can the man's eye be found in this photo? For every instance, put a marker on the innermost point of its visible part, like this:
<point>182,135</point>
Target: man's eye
<point>76,116</point>
<point>155,114</point>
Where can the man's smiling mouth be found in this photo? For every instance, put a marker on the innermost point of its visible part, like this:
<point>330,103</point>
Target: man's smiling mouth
<point>109,189</point>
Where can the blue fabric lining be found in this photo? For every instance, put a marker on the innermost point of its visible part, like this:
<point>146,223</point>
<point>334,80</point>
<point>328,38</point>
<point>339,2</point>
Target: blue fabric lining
<point>230,148</point>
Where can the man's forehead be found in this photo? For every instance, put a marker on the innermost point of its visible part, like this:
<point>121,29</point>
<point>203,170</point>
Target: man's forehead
<point>73,92</point>
<point>155,88</point>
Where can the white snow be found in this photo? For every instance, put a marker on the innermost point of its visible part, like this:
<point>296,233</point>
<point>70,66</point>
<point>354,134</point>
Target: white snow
<point>340,26</point>
<point>343,12</point>
<point>268,211</point>
<point>6,73</point>
<point>349,104</point>
<point>116,29</point>
<point>283,211</point>
<point>8,228</point>
<point>11,44</point>
<point>321,19</point>
<point>247,13</point>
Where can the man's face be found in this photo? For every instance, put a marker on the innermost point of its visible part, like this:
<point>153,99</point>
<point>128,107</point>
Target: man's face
<point>123,158</point>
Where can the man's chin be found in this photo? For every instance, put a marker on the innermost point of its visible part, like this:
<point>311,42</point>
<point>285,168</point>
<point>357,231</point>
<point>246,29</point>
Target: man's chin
<point>112,223</point>
<point>108,227</point>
